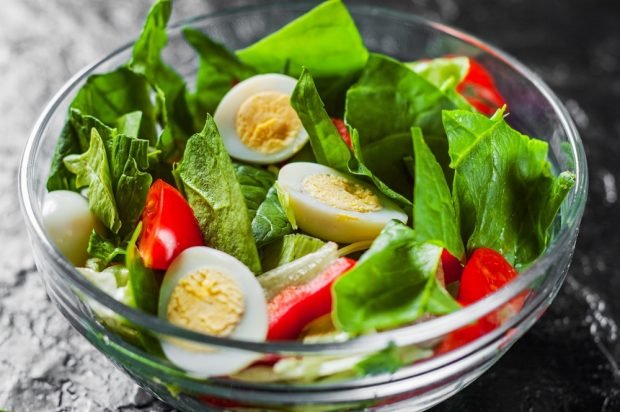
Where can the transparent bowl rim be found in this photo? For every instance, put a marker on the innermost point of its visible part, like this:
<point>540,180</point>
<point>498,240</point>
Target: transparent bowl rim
<point>426,331</point>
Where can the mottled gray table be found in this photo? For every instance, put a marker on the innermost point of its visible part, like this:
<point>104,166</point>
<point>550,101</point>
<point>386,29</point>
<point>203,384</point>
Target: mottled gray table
<point>568,361</point>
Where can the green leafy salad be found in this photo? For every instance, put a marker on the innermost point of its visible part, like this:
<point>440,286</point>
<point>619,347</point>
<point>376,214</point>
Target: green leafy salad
<point>304,188</point>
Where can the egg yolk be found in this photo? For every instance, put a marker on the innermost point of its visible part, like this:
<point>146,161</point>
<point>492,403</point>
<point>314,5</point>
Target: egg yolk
<point>341,193</point>
<point>207,301</point>
<point>266,122</point>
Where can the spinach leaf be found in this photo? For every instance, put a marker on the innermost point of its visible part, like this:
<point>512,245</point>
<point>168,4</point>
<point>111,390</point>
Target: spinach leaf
<point>92,170</point>
<point>255,183</point>
<point>129,124</point>
<point>358,167</point>
<point>218,70</point>
<point>386,159</point>
<point>325,40</point>
<point>392,284</point>
<point>287,249</point>
<point>210,185</point>
<point>328,147</point>
<point>142,282</point>
<point>388,86</point>
<point>170,87</point>
<point>272,221</point>
<point>505,194</point>
<point>434,216</point>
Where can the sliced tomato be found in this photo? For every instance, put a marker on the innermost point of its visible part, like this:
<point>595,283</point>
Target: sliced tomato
<point>452,267</point>
<point>485,272</point>
<point>342,131</point>
<point>296,306</point>
<point>479,89</point>
<point>169,226</point>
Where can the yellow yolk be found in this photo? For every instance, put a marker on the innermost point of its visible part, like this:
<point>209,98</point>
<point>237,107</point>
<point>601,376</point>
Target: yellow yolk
<point>341,193</point>
<point>267,123</point>
<point>207,301</point>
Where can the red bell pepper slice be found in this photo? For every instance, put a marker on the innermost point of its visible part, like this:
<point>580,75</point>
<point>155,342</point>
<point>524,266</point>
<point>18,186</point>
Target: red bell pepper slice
<point>296,306</point>
<point>342,131</point>
<point>169,225</point>
<point>479,89</point>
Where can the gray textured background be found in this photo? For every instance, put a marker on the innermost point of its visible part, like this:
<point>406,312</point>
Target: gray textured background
<point>569,361</point>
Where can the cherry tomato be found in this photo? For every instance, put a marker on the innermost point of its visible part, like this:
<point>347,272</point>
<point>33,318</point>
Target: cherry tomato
<point>169,224</point>
<point>342,130</point>
<point>479,89</point>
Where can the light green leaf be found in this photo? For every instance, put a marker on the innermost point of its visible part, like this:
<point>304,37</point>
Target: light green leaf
<point>289,248</point>
<point>271,221</point>
<point>92,170</point>
<point>212,190</point>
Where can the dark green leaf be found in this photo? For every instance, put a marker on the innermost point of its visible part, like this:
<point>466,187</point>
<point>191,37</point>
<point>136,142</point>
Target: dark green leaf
<point>434,217</point>
<point>392,284</point>
<point>60,178</point>
<point>505,194</point>
<point>386,361</point>
<point>129,124</point>
<point>213,192</point>
<point>325,40</point>
<point>328,147</point>
<point>446,73</point>
<point>287,249</point>
<point>131,193</point>
<point>218,70</point>
<point>107,97</point>
<point>146,60</point>
<point>255,183</point>
<point>271,221</point>
<point>143,282</point>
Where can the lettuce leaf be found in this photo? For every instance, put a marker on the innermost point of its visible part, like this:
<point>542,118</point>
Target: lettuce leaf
<point>289,248</point>
<point>142,281</point>
<point>505,194</point>
<point>255,183</point>
<point>103,250</point>
<point>209,182</point>
<point>392,284</point>
<point>325,40</point>
<point>92,170</point>
<point>446,73</point>
<point>218,70</point>
<point>434,216</point>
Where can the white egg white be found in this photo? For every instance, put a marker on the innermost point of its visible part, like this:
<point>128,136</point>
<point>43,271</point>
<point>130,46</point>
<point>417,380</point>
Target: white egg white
<point>69,222</point>
<point>328,222</point>
<point>226,113</point>
<point>210,361</point>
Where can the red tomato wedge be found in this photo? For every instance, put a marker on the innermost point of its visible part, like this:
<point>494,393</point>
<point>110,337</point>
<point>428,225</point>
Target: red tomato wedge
<point>342,131</point>
<point>296,306</point>
<point>485,272</point>
<point>169,224</point>
<point>479,89</point>
<point>452,267</point>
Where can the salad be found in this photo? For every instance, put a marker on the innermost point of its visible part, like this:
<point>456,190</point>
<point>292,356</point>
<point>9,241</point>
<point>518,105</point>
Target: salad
<point>303,189</point>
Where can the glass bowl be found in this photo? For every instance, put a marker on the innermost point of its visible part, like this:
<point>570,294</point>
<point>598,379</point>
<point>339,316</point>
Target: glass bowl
<point>534,110</point>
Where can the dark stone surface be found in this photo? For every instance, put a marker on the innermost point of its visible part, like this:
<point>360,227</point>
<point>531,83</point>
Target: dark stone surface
<point>567,362</point>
